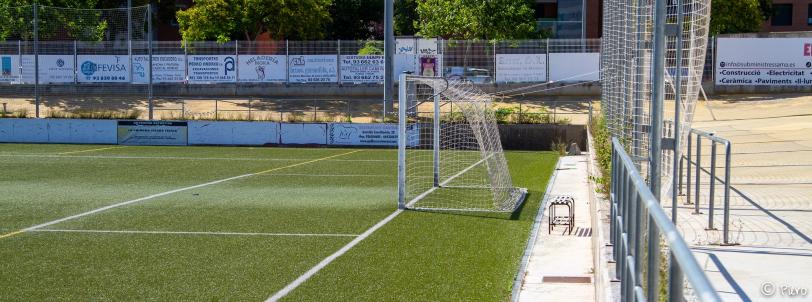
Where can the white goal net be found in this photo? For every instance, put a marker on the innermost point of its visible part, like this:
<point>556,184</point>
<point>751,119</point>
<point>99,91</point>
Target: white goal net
<point>450,154</point>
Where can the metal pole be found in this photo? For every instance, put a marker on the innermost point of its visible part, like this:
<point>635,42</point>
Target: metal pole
<point>688,170</point>
<point>389,57</point>
<point>726,226</point>
<point>436,142</point>
<point>149,50</point>
<point>402,143</point>
<point>36,61</point>
<point>698,176</point>
<point>675,279</point>
<point>655,148</point>
<point>711,196</point>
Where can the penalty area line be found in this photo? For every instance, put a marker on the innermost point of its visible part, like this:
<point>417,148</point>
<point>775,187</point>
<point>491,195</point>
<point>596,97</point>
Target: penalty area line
<point>326,261</point>
<point>153,196</point>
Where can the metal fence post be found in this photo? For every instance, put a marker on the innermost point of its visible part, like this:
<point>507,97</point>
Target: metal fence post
<point>711,195</point>
<point>675,277</point>
<point>36,61</point>
<point>689,159</point>
<point>149,49</point>
<point>726,226</point>
<point>698,176</point>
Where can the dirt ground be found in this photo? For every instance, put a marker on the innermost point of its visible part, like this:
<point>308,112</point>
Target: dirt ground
<point>570,109</point>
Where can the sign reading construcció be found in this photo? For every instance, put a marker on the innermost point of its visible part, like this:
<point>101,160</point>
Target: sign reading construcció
<point>764,61</point>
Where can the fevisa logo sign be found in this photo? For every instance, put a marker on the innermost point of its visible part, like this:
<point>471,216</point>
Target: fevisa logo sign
<point>89,67</point>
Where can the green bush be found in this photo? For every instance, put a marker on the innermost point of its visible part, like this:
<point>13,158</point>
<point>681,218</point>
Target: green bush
<point>371,48</point>
<point>602,142</point>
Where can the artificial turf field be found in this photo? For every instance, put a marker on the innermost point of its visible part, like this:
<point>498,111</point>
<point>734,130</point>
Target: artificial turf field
<point>84,222</point>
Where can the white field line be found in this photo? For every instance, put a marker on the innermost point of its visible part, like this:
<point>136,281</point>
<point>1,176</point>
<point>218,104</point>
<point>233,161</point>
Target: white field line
<point>39,226</point>
<point>333,175</point>
<point>326,261</point>
<point>91,150</point>
<point>192,233</point>
<point>181,157</point>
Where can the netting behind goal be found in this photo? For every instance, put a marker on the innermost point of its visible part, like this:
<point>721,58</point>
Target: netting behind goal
<point>627,77</point>
<point>450,155</point>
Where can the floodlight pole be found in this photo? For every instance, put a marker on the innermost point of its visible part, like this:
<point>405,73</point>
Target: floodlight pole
<point>149,68</point>
<point>655,144</point>
<point>389,56</point>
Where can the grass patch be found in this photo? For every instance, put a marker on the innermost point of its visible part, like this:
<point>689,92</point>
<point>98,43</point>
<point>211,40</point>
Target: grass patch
<point>418,256</point>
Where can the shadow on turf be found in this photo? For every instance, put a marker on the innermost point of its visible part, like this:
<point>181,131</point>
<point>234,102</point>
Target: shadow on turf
<point>515,215</point>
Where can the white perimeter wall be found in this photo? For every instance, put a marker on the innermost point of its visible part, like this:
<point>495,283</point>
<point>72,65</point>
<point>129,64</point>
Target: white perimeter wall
<point>77,131</point>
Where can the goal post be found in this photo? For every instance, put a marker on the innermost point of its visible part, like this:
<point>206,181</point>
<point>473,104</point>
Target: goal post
<point>450,156</point>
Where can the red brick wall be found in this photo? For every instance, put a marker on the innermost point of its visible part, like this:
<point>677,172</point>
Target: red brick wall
<point>799,17</point>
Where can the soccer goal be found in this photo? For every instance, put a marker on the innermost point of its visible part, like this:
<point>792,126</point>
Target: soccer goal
<point>450,157</point>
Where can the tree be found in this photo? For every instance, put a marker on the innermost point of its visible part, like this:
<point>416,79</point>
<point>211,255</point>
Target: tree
<point>54,22</point>
<point>405,17</point>
<point>476,19</point>
<point>738,16</point>
<point>356,19</point>
<point>225,20</point>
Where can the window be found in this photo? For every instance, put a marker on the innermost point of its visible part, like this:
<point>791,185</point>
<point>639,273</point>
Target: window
<point>546,10</point>
<point>809,15</point>
<point>782,15</point>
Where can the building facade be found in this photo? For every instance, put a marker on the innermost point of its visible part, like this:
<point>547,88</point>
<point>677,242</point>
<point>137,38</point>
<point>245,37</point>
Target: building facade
<point>569,19</point>
<point>789,15</point>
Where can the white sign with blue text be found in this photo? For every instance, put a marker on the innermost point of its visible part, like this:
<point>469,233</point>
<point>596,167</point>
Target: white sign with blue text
<point>204,69</point>
<point>103,68</point>
<point>262,68</point>
<point>313,69</point>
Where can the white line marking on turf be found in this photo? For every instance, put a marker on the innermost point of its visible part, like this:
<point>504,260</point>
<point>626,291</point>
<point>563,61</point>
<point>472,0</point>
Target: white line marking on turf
<point>191,233</point>
<point>91,150</point>
<point>39,226</point>
<point>182,157</point>
<point>312,271</point>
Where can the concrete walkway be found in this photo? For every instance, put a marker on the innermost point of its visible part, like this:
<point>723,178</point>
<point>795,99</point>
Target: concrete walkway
<point>771,199</point>
<point>561,265</point>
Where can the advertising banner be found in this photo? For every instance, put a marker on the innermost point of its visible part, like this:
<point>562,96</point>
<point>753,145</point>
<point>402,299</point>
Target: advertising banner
<point>55,69</point>
<point>103,69</point>
<point>363,134</point>
<point>262,68</point>
<point>575,67</point>
<point>520,68</point>
<point>9,69</point>
<point>166,69</point>
<point>153,133</point>
<point>313,69</point>
<point>764,61</point>
<point>204,69</point>
<point>362,69</point>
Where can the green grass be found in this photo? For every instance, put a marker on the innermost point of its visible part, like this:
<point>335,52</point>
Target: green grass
<point>417,256</point>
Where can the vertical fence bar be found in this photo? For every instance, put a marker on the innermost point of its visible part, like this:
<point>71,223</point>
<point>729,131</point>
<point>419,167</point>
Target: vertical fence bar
<point>711,195</point>
<point>689,159</point>
<point>36,61</point>
<point>698,176</point>
<point>726,225</point>
<point>675,277</point>
<point>149,50</point>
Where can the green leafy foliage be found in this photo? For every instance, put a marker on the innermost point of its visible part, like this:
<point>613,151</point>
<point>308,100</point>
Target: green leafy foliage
<point>475,19</point>
<point>83,25</point>
<point>356,19</point>
<point>225,20</point>
<point>371,48</point>
<point>602,142</point>
<point>738,16</point>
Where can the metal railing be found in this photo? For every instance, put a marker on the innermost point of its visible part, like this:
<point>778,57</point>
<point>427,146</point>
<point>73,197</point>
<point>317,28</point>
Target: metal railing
<point>635,211</point>
<point>694,157</point>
